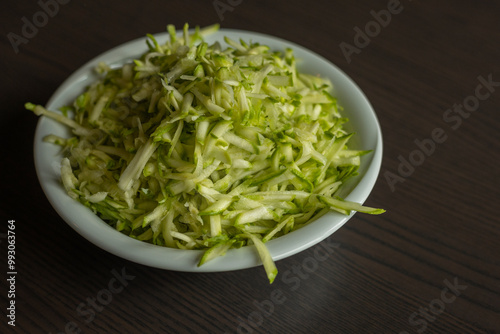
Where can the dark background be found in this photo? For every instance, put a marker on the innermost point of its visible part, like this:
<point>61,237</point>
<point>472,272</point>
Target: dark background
<point>430,264</point>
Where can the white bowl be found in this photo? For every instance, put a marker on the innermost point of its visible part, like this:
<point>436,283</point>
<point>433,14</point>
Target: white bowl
<point>362,120</point>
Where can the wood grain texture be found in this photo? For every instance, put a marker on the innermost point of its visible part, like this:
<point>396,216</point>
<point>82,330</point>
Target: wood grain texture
<point>435,249</point>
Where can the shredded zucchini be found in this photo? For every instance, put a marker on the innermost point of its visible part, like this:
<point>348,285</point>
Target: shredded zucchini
<point>197,146</point>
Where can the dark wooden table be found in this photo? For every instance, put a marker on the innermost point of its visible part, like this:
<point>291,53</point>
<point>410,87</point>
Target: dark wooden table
<point>430,264</point>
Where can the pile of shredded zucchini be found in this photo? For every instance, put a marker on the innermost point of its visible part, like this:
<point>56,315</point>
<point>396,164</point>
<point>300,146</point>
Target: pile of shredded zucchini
<point>197,146</point>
